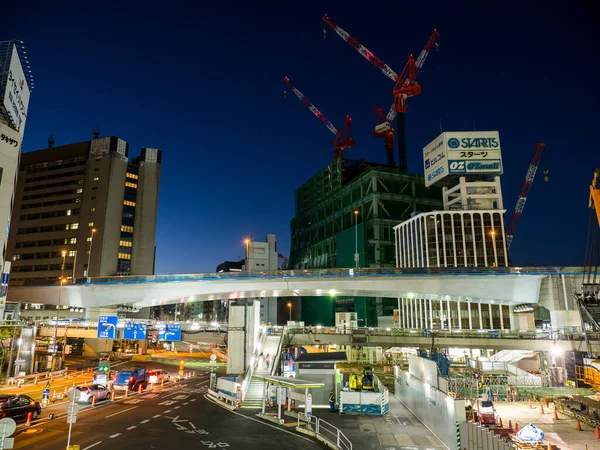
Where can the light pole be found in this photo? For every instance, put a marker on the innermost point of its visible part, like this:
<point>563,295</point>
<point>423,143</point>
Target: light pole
<point>290,306</point>
<point>53,362</point>
<point>90,255</point>
<point>247,242</point>
<point>356,257</point>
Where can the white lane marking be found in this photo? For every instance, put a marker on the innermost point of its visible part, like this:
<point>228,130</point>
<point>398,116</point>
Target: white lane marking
<point>120,412</point>
<point>261,422</point>
<point>186,403</point>
<point>145,421</point>
<point>115,435</point>
<point>193,400</point>
<point>93,445</point>
<point>156,416</point>
<point>167,411</point>
<point>177,407</point>
<point>132,427</point>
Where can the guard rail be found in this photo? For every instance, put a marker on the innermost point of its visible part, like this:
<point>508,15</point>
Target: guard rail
<point>325,431</point>
<point>34,377</point>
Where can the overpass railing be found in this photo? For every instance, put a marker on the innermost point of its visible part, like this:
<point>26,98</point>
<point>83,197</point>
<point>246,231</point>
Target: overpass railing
<point>308,273</point>
<point>570,334</point>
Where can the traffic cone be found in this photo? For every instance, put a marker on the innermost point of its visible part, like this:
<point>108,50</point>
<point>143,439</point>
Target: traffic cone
<point>510,424</point>
<point>555,414</point>
<point>126,391</point>
<point>549,446</point>
<point>293,404</point>
<point>578,425</point>
<point>516,427</point>
<point>285,403</point>
<point>140,389</point>
<point>500,422</point>
<point>530,405</point>
<point>29,418</point>
<point>542,408</point>
<point>597,432</point>
<point>94,400</point>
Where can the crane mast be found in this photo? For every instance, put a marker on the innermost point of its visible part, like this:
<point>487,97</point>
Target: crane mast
<point>529,176</point>
<point>405,85</point>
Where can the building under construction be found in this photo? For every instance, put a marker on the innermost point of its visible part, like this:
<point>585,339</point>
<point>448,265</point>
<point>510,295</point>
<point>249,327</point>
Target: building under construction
<point>323,230</point>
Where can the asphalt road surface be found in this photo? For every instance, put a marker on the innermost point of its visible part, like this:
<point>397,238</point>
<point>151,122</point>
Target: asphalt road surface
<point>176,416</point>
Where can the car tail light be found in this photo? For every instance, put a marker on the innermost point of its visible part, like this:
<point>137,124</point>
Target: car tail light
<point>131,379</point>
<point>87,390</point>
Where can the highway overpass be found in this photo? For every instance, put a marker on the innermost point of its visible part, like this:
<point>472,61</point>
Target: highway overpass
<point>503,285</point>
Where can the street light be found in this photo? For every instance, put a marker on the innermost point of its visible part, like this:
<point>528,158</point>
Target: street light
<point>90,255</point>
<point>290,306</point>
<point>247,242</point>
<point>62,280</point>
<point>356,258</point>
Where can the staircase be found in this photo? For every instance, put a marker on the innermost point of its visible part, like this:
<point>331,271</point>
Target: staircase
<point>511,356</point>
<point>255,392</point>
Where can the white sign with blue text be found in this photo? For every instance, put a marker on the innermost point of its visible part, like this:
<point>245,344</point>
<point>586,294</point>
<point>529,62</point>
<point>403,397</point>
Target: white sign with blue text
<point>462,153</point>
<point>107,327</point>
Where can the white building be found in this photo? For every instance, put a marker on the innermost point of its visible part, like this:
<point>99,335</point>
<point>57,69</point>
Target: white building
<point>263,256</point>
<point>15,86</point>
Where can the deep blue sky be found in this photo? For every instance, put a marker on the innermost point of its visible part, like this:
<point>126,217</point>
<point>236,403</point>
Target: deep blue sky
<point>204,83</point>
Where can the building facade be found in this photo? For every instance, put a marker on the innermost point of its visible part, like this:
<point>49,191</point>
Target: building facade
<point>88,200</point>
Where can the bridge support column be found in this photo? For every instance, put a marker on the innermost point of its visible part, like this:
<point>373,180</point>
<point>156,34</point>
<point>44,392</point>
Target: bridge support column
<point>95,347</point>
<point>92,314</point>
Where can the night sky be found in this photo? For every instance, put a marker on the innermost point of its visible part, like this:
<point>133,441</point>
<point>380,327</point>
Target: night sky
<point>203,81</point>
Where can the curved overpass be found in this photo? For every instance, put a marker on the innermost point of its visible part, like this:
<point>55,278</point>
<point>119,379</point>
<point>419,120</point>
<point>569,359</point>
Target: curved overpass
<point>504,285</point>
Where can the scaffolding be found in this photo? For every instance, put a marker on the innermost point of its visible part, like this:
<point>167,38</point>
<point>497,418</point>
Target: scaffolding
<point>326,203</point>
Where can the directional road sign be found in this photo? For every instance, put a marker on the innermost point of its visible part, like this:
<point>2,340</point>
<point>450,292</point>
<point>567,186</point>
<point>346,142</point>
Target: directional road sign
<point>171,332</point>
<point>107,327</point>
<point>74,395</point>
<point>7,427</point>
<point>136,331</point>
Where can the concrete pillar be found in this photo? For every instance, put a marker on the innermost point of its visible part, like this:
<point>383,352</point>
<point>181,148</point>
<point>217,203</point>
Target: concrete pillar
<point>480,317</point>
<point>491,319</point>
<point>142,347</point>
<point>459,317</point>
<point>430,314</point>
<point>91,314</point>
<point>470,318</point>
<point>449,315</point>
<point>93,347</point>
<point>441,314</point>
<point>501,318</point>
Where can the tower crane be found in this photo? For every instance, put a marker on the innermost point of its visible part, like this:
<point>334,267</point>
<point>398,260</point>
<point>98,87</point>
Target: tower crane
<point>342,137</point>
<point>384,130</point>
<point>405,84</point>
<point>529,176</point>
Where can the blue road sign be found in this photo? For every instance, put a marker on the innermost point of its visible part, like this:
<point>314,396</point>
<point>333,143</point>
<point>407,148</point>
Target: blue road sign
<point>170,332</point>
<point>136,331</point>
<point>107,327</point>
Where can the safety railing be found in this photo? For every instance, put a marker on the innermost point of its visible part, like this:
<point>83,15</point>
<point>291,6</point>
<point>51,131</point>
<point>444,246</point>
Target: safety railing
<point>35,377</point>
<point>342,272</point>
<point>555,335</point>
<point>325,430</point>
<point>277,357</point>
<point>254,361</point>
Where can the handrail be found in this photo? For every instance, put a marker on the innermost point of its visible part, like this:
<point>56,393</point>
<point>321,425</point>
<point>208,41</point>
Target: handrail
<point>338,272</point>
<point>327,431</point>
<point>254,361</point>
<point>278,354</point>
<point>39,375</point>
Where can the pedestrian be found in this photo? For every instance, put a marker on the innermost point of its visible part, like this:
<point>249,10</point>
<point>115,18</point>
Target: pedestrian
<point>268,359</point>
<point>331,402</point>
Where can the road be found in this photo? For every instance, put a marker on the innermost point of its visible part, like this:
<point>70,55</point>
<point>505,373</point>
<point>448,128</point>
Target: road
<point>175,416</point>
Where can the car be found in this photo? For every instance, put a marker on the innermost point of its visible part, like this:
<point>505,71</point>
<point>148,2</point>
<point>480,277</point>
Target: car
<point>156,376</point>
<point>87,393</point>
<point>19,406</point>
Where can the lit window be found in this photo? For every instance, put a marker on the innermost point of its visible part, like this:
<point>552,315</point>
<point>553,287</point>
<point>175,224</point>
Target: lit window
<point>96,178</point>
<point>73,241</point>
<point>133,176</point>
<point>128,203</point>
<point>77,200</point>
<point>16,257</point>
<point>74,226</point>
<point>89,238</point>
<point>90,224</point>
<point>131,185</point>
<point>72,252</point>
<point>79,181</point>
<point>92,209</point>
<point>68,212</point>
<point>124,256</point>
<point>125,243</point>
<point>79,191</point>
<point>126,229</point>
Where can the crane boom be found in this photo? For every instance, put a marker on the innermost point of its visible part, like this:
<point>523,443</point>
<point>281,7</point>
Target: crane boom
<point>367,54</point>
<point>529,176</point>
<point>312,107</point>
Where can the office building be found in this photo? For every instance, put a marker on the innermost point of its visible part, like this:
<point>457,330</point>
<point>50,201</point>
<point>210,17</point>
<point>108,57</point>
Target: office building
<point>89,200</point>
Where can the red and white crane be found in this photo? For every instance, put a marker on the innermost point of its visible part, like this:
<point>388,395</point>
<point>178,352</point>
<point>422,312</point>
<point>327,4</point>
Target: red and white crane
<point>405,84</point>
<point>529,176</point>
<point>342,137</point>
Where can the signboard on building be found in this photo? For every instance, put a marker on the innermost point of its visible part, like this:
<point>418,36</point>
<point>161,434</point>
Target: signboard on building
<point>107,327</point>
<point>136,331</point>
<point>462,153</point>
<point>5,274</point>
<point>15,98</point>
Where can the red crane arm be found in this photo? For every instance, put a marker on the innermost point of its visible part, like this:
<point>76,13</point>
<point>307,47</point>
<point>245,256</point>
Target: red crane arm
<point>529,176</point>
<point>312,107</point>
<point>412,68</point>
<point>368,55</point>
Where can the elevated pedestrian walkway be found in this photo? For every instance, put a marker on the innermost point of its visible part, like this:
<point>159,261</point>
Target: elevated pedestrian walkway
<point>271,346</point>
